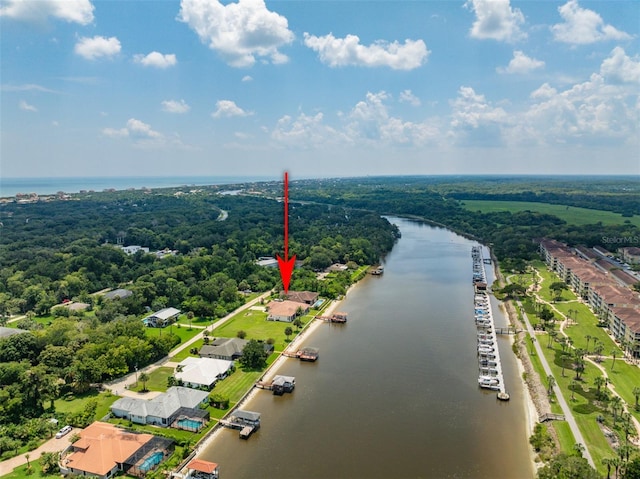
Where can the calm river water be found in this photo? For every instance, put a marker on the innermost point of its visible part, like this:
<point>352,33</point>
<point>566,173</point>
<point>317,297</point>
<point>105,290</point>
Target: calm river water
<point>394,393</point>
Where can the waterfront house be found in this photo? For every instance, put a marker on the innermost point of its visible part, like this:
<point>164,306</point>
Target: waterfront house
<point>229,349</point>
<point>203,372</point>
<point>306,297</point>
<point>105,450</point>
<point>286,311</point>
<point>164,409</point>
<point>162,318</point>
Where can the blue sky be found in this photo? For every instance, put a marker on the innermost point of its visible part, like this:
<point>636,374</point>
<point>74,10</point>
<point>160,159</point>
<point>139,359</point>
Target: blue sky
<point>318,88</point>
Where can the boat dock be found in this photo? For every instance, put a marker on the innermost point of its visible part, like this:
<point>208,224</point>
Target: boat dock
<point>337,317</point>
<point>304,354</point>
<point>246,421</point>
<point>279,385</point>
<point>489,366</point>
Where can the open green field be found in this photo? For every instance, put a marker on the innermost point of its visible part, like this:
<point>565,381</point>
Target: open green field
<point>182,332</point>
<point>74,403</point>
<point>157,380</point>
<point>255,324</point>
<point>570,214</point>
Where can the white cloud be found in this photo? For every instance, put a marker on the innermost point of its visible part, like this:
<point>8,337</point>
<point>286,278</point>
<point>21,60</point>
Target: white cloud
<point>115,133</point>
<point>475,121</point>
<point>26,106</point>
<point>174,106</point>
<point>370,121</point>
<point>96,47</point>
<point>304,131</point>
<point>620,68</point>
<point>348,51</point>
<point>496,20</point>
<point>240,31</point>
<point>582,26</point>
<point>407,96</point>
<point>27,87</point>
<point>521,64</point>
<point>545,91</point>
<point>228,108</point>
<point>139,129</point>
<point>247,78</point>
<point>76,11</point>
<point>156,59</point>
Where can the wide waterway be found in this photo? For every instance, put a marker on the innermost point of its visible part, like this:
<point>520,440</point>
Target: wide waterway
<point>395,391</point>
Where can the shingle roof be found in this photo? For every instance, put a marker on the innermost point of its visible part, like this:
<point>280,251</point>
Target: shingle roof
<point>164,405</point>
<point>203,371</point>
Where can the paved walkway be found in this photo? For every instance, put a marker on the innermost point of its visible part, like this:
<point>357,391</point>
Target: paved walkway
<point>566,410</point>
<point>52,445</point>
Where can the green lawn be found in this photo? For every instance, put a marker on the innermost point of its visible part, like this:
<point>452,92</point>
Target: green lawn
<point>20,472</point>
<point>236,385</point>
<point>157,380</point>
<point>182,332</point>
<point>185,352</point>
<point>570,214</point>
<point>74,403</point>
<point>255,324</point>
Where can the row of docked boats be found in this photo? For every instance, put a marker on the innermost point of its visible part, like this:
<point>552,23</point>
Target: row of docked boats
<point>489,367</point>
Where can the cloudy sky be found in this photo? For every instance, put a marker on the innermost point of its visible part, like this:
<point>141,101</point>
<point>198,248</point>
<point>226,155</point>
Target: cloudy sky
<point>318,88</point>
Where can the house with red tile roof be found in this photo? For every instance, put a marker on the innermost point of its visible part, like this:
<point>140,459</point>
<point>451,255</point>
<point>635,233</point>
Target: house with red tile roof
<point>286,310</point>
<point>103,450</point>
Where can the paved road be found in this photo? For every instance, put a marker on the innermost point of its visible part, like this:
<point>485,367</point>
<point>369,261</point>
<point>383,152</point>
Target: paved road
<point>52,445</point>
<point>566,410</point>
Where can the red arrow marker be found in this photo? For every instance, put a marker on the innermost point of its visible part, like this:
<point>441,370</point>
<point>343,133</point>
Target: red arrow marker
<point>286,264</point>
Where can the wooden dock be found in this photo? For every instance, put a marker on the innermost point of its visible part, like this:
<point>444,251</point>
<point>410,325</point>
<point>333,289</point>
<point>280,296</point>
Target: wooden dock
<point>338,317</point>
<point>551,417</point>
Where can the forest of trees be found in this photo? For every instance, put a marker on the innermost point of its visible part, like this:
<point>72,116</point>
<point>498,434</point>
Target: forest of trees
<point>65,250</point>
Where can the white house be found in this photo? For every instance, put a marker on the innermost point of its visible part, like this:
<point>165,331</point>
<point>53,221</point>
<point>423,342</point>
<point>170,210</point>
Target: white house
<point>161,410</point>
<point>202,372</point>
<point>161,318</point>
<point>286,310</point>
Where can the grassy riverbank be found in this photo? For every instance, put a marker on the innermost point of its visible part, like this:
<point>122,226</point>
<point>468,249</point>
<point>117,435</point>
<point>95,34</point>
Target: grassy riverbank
<point>574,331</point>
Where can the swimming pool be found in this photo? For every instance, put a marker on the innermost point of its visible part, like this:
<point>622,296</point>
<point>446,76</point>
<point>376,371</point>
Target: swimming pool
<point>153,460</point>
<point>189,424</point>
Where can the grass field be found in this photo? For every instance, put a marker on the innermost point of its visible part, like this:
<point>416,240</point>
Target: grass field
<point>570,214</point>
<point>75,403</point>
<point>255,324</point>
<point>157,380</point>
<point>182,332</point>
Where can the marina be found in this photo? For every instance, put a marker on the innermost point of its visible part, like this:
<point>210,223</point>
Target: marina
<point>489,366</point>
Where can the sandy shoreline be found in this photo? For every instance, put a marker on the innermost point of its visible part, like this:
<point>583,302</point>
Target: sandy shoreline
<point>271,371</point>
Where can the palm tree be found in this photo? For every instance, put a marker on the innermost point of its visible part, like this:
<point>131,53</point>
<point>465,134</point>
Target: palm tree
<point>563,361</point>
<point>607,462</point>
<point>573,386</point>
<point>552,382</point>
<point>597,349</point>
<point>599,382</point>
<point>616,403</point>
<point>588,337</point>
<point>552,334</point>
<point>144,377</point>
<point>614,353</point>
<point>636,393</point>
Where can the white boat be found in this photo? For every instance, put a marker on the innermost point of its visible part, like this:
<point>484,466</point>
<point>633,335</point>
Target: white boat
<point>488,382</point>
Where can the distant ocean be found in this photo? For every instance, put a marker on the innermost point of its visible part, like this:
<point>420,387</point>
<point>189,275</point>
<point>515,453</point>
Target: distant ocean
<point>47,186</point>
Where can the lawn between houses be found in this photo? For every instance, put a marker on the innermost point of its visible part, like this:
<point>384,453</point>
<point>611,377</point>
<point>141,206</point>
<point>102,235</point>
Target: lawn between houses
<point>624,376</point>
